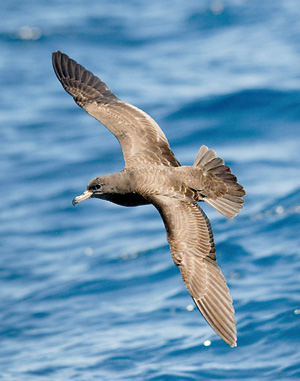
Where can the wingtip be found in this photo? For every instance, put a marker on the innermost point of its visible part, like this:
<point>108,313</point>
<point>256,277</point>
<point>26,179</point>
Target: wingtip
<point>60,65</point>
<point>56,57</point>
<point>56,54</point>
<point>233,342</point>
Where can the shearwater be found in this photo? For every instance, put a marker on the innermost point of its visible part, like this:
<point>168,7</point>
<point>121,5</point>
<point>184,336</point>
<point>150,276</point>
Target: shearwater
<point>152,175</point>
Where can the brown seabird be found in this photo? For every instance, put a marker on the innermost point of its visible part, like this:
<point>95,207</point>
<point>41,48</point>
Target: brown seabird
<point>152,175</point>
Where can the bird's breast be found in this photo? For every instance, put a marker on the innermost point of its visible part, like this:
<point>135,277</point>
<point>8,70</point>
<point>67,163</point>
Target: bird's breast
<point>126,199</point>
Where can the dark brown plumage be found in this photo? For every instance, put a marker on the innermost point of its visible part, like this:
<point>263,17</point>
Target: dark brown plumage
<point>152,175</point>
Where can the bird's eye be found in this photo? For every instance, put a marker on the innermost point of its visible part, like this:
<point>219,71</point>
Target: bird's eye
<point>94,187</point>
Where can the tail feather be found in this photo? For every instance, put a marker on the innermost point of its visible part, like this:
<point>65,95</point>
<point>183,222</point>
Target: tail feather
<point>216,163</point>
<point>204,156</point>
<point>223,193</point>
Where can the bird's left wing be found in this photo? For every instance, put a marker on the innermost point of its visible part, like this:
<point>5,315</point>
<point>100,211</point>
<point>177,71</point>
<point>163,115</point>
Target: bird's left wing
<point>141,139</point>
<point>192,246</point>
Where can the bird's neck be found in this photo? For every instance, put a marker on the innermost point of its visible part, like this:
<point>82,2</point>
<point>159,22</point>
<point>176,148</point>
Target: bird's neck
<point>117,183</point>
<point>120,188</point>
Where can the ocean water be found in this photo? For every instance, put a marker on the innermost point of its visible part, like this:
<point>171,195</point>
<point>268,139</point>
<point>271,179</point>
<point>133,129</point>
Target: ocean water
<point>91,293</point>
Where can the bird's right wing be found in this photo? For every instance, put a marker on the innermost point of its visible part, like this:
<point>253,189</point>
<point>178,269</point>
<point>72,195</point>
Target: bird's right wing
<point>141,139</point>
<point>192,246</point>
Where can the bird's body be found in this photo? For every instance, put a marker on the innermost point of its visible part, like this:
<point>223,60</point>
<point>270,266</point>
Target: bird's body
<point>152,175</point>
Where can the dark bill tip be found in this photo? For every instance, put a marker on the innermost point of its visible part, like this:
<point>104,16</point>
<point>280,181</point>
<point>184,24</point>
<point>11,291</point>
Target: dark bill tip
<point>85,195</point>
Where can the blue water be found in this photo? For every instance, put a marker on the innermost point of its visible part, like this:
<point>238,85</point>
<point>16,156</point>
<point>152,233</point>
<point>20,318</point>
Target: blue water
<point>91,293</point>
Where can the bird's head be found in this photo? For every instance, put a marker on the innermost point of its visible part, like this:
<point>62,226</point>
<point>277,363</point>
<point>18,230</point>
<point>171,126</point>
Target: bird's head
<point>94,189</point>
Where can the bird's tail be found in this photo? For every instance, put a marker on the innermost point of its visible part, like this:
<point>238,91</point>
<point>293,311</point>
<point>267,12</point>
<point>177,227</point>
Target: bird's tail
<point>224,193</point>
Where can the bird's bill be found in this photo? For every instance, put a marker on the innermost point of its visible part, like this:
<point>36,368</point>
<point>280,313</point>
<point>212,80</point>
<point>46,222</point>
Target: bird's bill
<point>84,196</point>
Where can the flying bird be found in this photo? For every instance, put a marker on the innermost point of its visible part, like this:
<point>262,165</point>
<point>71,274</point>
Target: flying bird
<point>152,175</point>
